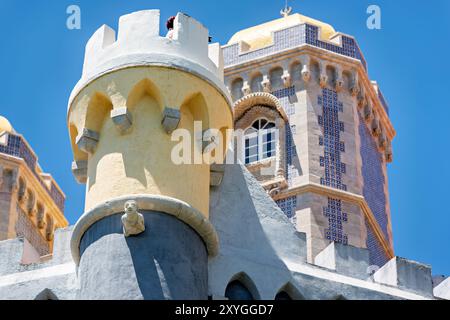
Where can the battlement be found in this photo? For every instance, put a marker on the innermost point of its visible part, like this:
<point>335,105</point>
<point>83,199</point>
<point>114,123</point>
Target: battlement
<point>139,43</point>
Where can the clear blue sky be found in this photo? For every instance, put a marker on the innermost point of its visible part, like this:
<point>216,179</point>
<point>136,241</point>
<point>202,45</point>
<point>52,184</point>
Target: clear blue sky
<point>41,60</point>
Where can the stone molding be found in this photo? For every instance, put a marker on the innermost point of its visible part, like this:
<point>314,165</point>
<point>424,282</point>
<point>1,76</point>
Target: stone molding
<point>258,98</point>
<point>171,206</point>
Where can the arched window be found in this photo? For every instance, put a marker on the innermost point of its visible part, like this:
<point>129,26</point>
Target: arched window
<point>46,294</point>
<point>260,141</point>
<point>238,291</point>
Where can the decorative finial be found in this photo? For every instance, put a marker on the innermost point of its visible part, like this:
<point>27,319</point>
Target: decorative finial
<point>286,11</point>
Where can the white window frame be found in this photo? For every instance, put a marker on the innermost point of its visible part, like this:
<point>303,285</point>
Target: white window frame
<point>260,134</point>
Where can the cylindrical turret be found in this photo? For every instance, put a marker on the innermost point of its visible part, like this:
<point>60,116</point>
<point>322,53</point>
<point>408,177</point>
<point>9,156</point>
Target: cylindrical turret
<point>134,92</point>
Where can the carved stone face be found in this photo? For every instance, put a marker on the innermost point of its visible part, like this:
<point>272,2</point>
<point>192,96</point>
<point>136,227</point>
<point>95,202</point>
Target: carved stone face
<point>130,207</point>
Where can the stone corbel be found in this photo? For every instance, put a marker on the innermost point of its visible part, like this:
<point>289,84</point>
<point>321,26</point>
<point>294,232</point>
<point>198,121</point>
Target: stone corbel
<point>274,189</point>
<point>382,141</point>
<point>88,140</point>
<point>367,112</point>
<point>217,172</point>
<point>306,72</point>
<point>50,235</point>
<point>79,170</point>
<point>376,128</point>
<point>31,206</point>
<point>388,153</point>
<point>323,78</point>
<point>122,119</point>
<point>287,80</point>
<point>41,219</point>
<point>246,89</point>
<point>171,119</point>
<point>267,87</point>
<point>22,193</point>
<point>339,82</point>
<point>362,101</point>
<point>354,84</point>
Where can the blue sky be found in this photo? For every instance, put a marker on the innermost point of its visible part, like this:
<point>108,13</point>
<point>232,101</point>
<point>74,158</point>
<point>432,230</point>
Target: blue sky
<point>41,60</point>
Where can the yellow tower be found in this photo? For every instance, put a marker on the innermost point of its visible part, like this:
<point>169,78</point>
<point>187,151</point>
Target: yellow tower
<point>134,92</point>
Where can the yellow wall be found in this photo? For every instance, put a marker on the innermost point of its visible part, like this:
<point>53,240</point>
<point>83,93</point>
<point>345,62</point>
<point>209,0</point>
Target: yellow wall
<point>139,162</point>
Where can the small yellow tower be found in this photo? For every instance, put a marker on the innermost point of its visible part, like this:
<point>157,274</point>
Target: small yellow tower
<point>134,92</point>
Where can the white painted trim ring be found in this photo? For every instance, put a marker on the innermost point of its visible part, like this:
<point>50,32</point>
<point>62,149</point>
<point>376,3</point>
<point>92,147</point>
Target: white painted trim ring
<point>174,207</point>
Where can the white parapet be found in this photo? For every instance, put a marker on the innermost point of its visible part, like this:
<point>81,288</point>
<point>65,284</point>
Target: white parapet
<point>406,275</point>
<point>139,43</point>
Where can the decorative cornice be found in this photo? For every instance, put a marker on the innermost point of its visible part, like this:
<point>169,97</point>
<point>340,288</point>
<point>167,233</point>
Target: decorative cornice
<point>348,63</point>
<point>258,98</point>
<point>37,187</point>
<point>174,207</point>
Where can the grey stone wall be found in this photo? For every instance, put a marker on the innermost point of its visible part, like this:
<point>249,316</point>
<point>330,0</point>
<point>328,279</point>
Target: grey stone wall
<point>167,261</point>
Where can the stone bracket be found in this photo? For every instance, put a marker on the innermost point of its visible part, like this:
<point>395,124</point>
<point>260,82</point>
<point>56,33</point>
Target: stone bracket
<point>122,119</point>
<point>87,141</point>
<point>79,170</point>
<point>171,119</point>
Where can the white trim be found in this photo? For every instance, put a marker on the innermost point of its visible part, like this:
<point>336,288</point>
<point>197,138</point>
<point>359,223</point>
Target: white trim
<point>338,278</point>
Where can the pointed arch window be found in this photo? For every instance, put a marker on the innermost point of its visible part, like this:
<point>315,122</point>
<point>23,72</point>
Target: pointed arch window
<point>260,141</point>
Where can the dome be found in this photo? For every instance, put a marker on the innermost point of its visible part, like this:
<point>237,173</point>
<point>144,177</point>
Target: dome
<point>261,36</point>
<point>5,125</point>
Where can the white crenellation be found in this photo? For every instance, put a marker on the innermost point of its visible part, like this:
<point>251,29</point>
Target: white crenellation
<point>139,43</point>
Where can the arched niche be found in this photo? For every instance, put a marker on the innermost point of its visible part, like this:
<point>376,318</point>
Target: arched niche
<point>255,82</point>
<point>347,77</point>
<point>144,88</point>
<point>241,287</point>
<point>46,294</point>
<point>236,89</point>
<point>98,110</point>
<point>295,71</point>
<point>276,80</point>
<point>289,292</point>
<point>331,74</point>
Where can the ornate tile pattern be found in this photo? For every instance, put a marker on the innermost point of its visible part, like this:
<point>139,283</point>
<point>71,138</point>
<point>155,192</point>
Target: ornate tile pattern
<point>289,207</point>
<point>16,147</point>
<point>331,140</point>
<point>284,96</point>
<point>290,38</point>
<point>373,191</point>
<point>26,229</point>
<point>373,177</point>
<point>336,219</point>
<point>376,252</point>
<point>291,152</point>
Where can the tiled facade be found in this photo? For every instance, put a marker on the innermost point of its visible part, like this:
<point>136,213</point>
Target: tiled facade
<point>331,140</point>
<point>373,177</point>
<point>17,147</point>
<point>32,205</point>
<point>325,144</point>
